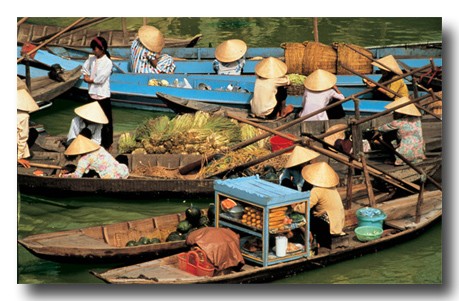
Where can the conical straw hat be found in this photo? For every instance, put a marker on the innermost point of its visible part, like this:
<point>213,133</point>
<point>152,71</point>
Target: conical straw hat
<point>21,84</point>
<point>338,135</point>
<point>388,62</point>
<point>410,109</point>
<point>320,174</point>
<point>81,145</point>
<point>92,112</point>
<point>25,102</point>
<point>230,50</point>
<point>300,155</point>
<point>320,80</point>
<point>151,38</point>
<point>271,68</point>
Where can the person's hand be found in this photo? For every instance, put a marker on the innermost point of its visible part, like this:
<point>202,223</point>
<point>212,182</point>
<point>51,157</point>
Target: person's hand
<point>25,163</point>
<point>87,79</point>
<point>368,83</point>
<point>62,172</point>
<point>376,134</point>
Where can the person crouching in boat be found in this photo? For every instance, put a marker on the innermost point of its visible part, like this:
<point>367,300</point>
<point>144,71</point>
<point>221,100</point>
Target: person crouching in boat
<point>94,157</point>
<point>291,175</point>
<point>229,57</point>
<point>407,123</point>
<point>327,210</point>
<point>270,93</point>
<point>321,90</point>
<point>90,117</point>
<point>146,54</point>
<point>25,105</point>
<point>389,69</point>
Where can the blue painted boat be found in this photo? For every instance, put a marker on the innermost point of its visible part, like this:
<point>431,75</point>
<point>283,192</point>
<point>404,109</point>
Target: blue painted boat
<point>132,90</point>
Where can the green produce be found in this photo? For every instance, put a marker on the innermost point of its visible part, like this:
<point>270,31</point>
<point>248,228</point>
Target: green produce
<point>144,241</point>
<point>174,236</point>
<point>193,214</point>
<point>155,240</point>
<point>184,226</point>
<point>131,243</point>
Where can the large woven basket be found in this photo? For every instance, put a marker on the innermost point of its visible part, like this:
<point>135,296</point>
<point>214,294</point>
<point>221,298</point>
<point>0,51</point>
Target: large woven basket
<point>318,56</point>
<point>294,53</point>
<point>354,57</point>
<point>437,106</point>
<point>295,90</point>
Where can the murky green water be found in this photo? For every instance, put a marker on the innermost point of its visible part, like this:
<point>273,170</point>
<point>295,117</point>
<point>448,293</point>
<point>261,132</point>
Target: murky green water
<point>415,262</point>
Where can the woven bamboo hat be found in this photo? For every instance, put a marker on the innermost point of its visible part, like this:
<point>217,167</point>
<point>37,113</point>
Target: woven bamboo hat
<point>410,109</point>
<point>320,174</point>
<point>151,38</point>
<point>338,135</point>
<point>390,64</point>
<point>81,145</point>
<point>92,112</point>
<point>300,155</point>
<point>271,68</point>
<point>21,84</point>
<point>230,50</point>
<point>25,102</point>
<point>320,80</point>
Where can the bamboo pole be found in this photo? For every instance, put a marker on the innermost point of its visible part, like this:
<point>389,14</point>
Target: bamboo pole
<point>48,41</point>
<point>42,165</point>
<point>371,196</point>
<point>22,21</point>
<point>420,201</point>
<point>316,30</point>
<point>207,157</point>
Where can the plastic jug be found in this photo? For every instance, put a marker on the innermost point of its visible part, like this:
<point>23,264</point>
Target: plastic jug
<point>281,246</point>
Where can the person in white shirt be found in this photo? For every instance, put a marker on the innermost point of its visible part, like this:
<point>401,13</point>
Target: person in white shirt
<point>320,90</point>
<point>90,118</point>
<point>96,71</point>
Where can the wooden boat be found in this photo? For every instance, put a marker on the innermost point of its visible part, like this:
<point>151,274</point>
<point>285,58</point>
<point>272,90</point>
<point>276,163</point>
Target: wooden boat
<point>108,243</point>
<point>405,219</point>
<point>45,89</point>
<point>81,39</point>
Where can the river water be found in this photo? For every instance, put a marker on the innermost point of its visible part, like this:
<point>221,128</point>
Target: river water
<point>418,261</point>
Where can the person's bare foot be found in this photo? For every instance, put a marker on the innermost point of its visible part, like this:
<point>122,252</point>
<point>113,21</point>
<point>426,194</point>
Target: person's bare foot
<point>287,110</point>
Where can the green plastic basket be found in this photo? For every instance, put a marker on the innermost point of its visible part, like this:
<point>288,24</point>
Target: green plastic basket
<point>367,233</point>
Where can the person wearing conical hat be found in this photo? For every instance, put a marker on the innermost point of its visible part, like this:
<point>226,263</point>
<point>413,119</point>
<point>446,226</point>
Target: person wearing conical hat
<point>340,140</point>
<point>320,91</point>
<point>291,175</point>
<point>229,57</point>
<point>327,210</point>
<point>91,118</point>
<point>146,56</point>
<point>93,157</point>
<point>97,70</point>
<point>270,92</point>
<point>25,105</point>
<point>389,69</point>
<point>407,124</point>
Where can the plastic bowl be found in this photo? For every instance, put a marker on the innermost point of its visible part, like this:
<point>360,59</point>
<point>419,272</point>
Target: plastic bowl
<point>237,211</point>
<point>367,233</point>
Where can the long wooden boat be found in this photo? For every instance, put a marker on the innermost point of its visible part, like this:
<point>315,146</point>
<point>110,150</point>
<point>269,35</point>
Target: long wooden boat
<point>108,243</point>
<point>45,89</point>
<point>400,225</point>
<point>81,39</point>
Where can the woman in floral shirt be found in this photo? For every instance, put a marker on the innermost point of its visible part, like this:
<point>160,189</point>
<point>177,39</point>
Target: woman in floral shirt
<point>96,158</point>
<point>407,122</point>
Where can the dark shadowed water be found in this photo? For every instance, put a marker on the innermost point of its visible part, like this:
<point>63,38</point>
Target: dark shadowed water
<point>415,262</point>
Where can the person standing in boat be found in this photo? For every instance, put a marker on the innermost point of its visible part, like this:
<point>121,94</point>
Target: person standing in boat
<point>327,210</point>
<point>270,92</point>
<point>321,90</point>
<point>97,70</point>
<point>291,174</point>
<point>229,57</point>
<point>25,105</point>
<point>407,124</point>
<point>146,54</point>
<point>93,158</point>
<point>389,69</point>
<point>90,117</point>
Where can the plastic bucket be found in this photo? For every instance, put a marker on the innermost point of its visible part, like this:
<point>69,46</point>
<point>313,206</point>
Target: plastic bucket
<point>369,216</point>
<point>278,142</point>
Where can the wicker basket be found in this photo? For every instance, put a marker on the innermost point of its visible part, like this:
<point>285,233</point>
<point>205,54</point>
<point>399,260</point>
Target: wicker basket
<point>295,90</point>
<point>349,56</point>
<point>294,53</point>
<point>318,56</point>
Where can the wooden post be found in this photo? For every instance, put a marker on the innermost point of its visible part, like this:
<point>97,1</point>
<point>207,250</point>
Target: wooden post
<point>27,79</point>
<point>420,200</point>
<point>348,201</point>
<point>144,21</point>
<point>371,196</point>
<point>316,30</point>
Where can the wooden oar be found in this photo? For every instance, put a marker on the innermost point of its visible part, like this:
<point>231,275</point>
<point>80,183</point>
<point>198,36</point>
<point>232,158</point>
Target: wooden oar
<point>50,40</point>
<point>207,157</point>
<point>42,165</point>
<point>21,21</point>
